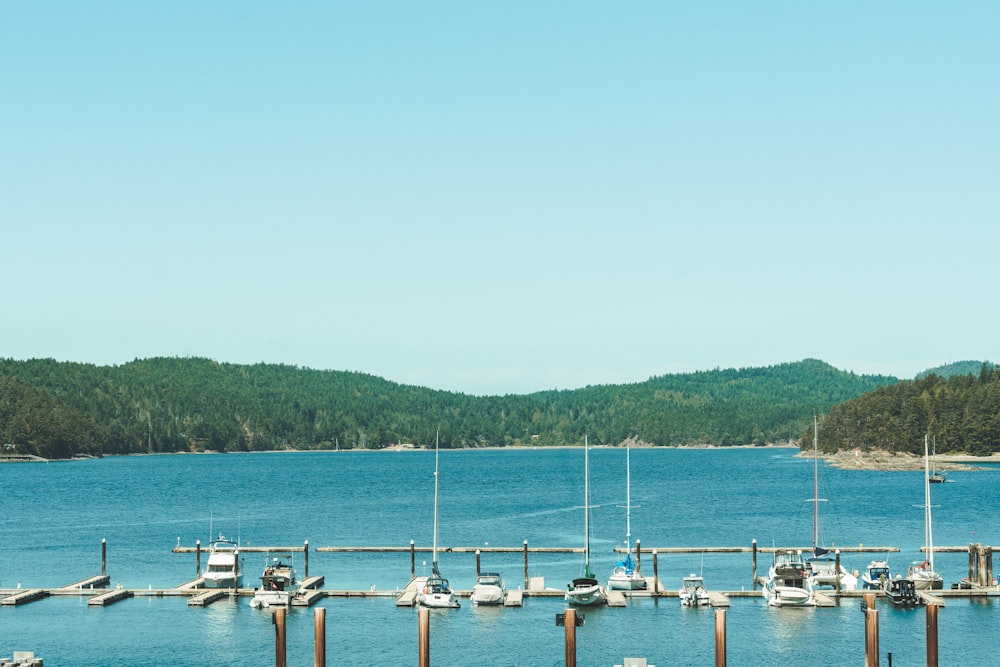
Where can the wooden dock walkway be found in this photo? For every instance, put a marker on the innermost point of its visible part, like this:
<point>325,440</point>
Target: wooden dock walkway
<point>717,599</point>
<point>110,597</point>
<point>207,597</point>
<point>97,581</point>
<point>25,596</point>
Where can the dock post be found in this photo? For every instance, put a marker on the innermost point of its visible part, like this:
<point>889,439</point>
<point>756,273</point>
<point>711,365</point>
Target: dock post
<point>527,582</point>
<point>424,636</point>
<point>837,573</point>
<point>279,636</point>
<point>932,635</point>
<point>305,548</point>
<point>104,556</point>
<point>570,627</point>
<point>754,551</point>
<point>720,638</point>
<point>972,555</point>
<point>871,631</point>
<point>989,565</point>
<point>638,556</point>
<point>477,562</point>
<point>197,558</point>
<point>656,578</point>
<point>413,561</point>
<point>319,637</point>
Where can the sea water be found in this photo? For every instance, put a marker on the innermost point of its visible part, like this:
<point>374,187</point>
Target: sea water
<point>55,516</point>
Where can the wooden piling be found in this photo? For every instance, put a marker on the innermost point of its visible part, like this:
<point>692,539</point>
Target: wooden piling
<point>871,631</point>
<point>197,560</point>
<point>424,636</point>
<point>477,563</point>
<point>279,637</point>
<point>989,566</point>
<point>104,556</point>
<point>638,557</point>
<point>526,580</point>
<point>413,561</point>
<point>319,637</point>
<point>836,584</point>
<point>932,635</point>
<point>305,549</point>
<point>720,638</point>
<point>972,557</point>
<point>656,577</point>
<point>570,627</point>
<point>753,548</point>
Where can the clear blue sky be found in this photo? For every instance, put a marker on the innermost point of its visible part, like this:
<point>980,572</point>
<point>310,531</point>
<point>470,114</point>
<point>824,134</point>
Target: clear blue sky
<point>501,197</point>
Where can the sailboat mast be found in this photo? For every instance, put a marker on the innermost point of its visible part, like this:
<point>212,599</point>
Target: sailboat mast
<point>586,502</point>
<point>928,540</point>
<point>815,483</point>
<point>628,501</point>
<point>434,558</point>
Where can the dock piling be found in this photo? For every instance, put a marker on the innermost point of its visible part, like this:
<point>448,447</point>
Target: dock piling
<point>871,630</point>
<point>836,584</point>
<point>656,579</point>
<point>305,548</point>
<point>932,635</point>
<point>720,638</point>
<point>753,548</point>
<point>570,628</point>
<point>413,561</point>
<point>477,563</point>
<point>279,637</point>
<point>424,636</point>
<point>319,637</point>
<point>104,556</point>
<point>638,556</point>
<point>526,581</point>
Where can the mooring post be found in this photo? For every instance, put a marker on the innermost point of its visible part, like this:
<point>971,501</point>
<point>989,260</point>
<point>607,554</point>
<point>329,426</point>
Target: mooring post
<point>197,558</point>
<point>279,636</point>
<point>319,637</point>
<point>932,635</point>
<point>236,568</point>
<point>837,573</point>
<point>477,562</point>
<point>656,579</point>
<point>753,549</point>
<point>871,631</point>
<point>104,556</point>
<point>570,627</point>
<point>424,636</point>
<point>305,547</point>
<point>413,561</point>
<point>989,565</point>
<point>972,556</point>
<point>526,580</point>
<point>720,638</point>
<point>638,556</point>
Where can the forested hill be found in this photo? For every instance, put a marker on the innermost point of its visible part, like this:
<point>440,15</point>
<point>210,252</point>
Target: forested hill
<point>58,409</point>
<point>961,412</point>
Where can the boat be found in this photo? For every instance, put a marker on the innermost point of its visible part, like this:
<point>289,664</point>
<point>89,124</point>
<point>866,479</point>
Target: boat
<point>875,575</point>
<point>436,591</point>
<point>625,576</point>
<point>489,589</point>
<point>278,582</point>
<point>902,593</point>
<point>788,583</point>
<point>922,573</point>
<point>224,568</point>
<point>823,569</point>
<point>586,591</point>
<point>936,476</point>
<point>692,592</point>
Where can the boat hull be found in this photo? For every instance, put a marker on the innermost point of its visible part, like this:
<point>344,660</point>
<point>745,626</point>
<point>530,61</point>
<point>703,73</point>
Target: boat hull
<point>626,582</point>
<point>586,593</point>
<point>487,595</point>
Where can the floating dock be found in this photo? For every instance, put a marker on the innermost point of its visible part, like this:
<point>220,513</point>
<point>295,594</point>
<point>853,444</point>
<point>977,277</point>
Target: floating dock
<point>25,596</point>
<point>110,597</point>
<point>207,597</point>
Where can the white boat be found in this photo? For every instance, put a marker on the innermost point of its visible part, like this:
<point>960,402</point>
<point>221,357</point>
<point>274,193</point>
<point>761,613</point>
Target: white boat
<point>586,591</point>
<point>823,569</point>
<point>489,589</point>
<point>224,568</point>
<point>692,592</point>
<point>278,582</point>
<point>625,576</point>
<point>875,575</point>
<point>788,582</point>
<point>922,573</point>
<point>436,592</point>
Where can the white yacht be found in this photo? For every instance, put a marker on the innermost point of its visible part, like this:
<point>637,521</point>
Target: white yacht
<point>692,592</point>
<point>788,582</point>
<point>278,582</point>
<point>489,589</point>
<point>225,566</point>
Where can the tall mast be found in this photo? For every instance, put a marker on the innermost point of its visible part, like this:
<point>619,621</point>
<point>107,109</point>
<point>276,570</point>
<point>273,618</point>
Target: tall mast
<point>628,501</point>
<point>928,540</point>
<point>586,505</point>
<point>815,483</point>
<point>434,560</point>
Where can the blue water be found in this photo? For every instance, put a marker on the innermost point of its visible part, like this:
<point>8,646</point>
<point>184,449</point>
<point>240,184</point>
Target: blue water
<point>55,516</point>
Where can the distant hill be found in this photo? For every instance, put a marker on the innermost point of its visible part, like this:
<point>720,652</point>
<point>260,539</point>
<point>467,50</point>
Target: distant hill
<point>956,368</point>
<point>55,409</point>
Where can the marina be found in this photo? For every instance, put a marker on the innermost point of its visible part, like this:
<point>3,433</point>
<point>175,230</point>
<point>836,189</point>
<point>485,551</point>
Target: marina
<point>531,538</point>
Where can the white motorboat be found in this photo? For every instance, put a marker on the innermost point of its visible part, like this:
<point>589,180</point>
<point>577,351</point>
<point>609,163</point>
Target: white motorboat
<point>489,589</point>
<point>625,576</point>
<point>436,592</point>
<point>788,582</point>
<point>586,590</point>
<point>225,566</point>
<point>278,582</point>
<point>922,573</point>
<point>692,592</point>
<point>875,575</point>
<point>822,568</point>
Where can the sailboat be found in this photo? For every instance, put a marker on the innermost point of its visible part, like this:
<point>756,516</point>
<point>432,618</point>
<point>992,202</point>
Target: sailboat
<point>625,576</point>
<point>436,592</point>
<point>586,590</point>
<point>936,476</point>
<point>922,573</point>
<point>823,569</point>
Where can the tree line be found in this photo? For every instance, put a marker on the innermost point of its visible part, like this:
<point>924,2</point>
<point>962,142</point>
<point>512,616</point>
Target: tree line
<point>61,409</point>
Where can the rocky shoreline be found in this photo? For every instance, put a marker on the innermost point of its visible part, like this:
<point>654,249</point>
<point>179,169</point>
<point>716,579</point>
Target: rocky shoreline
<point>884,460</point>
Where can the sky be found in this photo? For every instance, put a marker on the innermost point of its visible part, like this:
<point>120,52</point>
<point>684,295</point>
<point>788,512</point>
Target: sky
<point>496,198</point>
